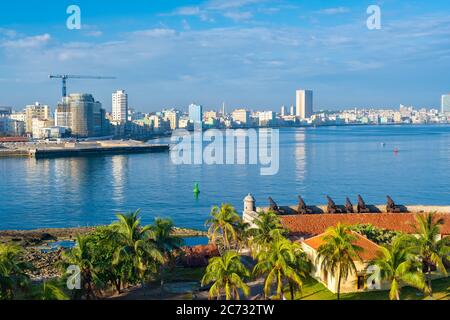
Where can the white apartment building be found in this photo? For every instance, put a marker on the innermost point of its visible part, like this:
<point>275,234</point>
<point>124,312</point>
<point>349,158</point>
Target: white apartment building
<point>173,117</point>
<point>39,126</point>
<point>120,106</point>
<point>241,116</point>
<point>38,111</point>
<point>266,118</point>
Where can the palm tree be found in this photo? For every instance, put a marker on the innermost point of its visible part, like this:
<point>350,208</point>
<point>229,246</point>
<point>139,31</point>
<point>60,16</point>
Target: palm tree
<point>338,253</point>
<point>302,265</point>
<point>242,233</point>
<point>279,263</point>
<point>166,242</point>
<point>222,223</point>
<point>12,271</point>
<point>81,256</point>
<point>136,244</point>
<point>268,228</point>
<point>426,244</point>
<point>397,264</point>
<point>226,273</point>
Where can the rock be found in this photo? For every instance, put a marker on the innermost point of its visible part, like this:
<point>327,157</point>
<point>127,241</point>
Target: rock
<point>48,237</point>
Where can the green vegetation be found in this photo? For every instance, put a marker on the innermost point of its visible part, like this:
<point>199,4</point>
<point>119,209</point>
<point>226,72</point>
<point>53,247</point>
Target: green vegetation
<point>314,290</point>
<point>339,253</point>
<point>222,225</point>
<point>12,271</point>
<point>268,229</point>
<point>282,261</point>
<point>227,274</point>
<point>378,235</point>
<point>426,246</point>
<point>16,284</point>
<point>127,254</point>
<point>123,254</point>
<point>167,244</point>
<point>397,264</point>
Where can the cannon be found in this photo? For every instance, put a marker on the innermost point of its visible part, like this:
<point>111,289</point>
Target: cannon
<point>391,207</point>
<point>273,206</point>
<point>332,208</point>
<point>362,208</point>
<point>349,206</point>
<point>302,208</point>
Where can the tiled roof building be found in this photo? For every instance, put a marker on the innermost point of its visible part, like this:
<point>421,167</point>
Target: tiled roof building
<point>315,224</point>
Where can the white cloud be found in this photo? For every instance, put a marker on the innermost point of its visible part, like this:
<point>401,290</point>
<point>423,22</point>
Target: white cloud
<point>334,11</point>
<point>10,33</point>
<point>231,4</point>
<point>187,11</point>
<point>156,33</point>
<point>229,9</point>
<point>163,63</point>
<point>238,16</point>
<point>28,42</point>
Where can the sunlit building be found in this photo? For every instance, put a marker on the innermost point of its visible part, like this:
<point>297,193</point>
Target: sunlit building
<point>304,104</point>
<point>445,103</point>
<point>120,106</point>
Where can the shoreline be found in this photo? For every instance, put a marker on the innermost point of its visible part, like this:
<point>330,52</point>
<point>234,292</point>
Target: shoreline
<point>29,238</point>
<point>35,243</point>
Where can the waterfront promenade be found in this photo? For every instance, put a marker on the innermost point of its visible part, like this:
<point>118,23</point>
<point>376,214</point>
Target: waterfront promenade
<point>74,149</point>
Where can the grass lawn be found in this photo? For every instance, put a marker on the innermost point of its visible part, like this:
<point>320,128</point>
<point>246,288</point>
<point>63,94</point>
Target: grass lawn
<point>313,290</point>
<point>180,274</point>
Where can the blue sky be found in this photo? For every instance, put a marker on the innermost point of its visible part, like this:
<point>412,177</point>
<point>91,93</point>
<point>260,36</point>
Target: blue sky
<point>251,53</point>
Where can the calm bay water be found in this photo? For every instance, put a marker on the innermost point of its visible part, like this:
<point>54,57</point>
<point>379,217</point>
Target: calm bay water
<point>314,162</point>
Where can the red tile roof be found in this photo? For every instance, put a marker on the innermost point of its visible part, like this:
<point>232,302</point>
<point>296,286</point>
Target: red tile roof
<point>315,224</point>
<point>369,249</point>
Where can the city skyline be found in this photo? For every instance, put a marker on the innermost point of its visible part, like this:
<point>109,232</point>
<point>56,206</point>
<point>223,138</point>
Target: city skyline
<point>170,54</point>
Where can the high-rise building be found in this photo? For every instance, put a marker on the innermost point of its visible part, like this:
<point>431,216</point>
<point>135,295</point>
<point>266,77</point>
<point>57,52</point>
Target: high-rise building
<point>120,106</point>
<point>211,115</point>
<point>11,127</point>
<point>266,118</point>
<point>87,118</point>
<point>292,110</point>
<point>19,116</point>
<point>173,117</point>
<point>38,111</point>
<point>241,116</point>
<point>196,114</point>
<point>63,116</point>
<point>283,110</point>
<point>445,103</point>
<point>304,104</point>
<point>5,111</point>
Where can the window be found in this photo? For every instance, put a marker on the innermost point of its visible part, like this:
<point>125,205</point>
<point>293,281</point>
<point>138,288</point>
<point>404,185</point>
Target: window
<point>361,282</point>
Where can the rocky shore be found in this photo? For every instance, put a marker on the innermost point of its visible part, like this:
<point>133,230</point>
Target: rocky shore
<point>39,252</point>
<point>41,236</point>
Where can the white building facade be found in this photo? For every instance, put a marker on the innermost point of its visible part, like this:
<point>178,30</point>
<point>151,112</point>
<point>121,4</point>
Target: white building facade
<point>120,106</point>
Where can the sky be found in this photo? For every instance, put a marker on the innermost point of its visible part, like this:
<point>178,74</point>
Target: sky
<point>246,53</point>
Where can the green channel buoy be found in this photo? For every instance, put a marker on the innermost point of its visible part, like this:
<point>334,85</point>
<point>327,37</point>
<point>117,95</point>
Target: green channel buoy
<point>196,189</point>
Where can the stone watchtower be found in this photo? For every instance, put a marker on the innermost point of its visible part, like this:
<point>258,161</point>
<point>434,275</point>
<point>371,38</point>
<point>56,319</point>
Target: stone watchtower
<point>249,213</point>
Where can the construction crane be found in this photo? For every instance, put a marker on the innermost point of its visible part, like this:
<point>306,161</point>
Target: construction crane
<point>64,78</point>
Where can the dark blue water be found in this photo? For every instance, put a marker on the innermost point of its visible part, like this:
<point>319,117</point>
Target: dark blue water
<point>195,241</point>
<point>339,161</point>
